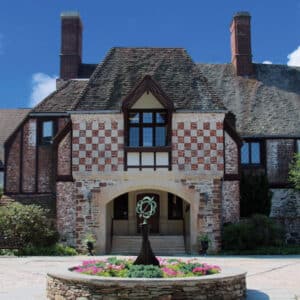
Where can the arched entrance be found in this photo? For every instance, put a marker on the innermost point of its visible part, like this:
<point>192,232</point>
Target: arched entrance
<point>169,227</point>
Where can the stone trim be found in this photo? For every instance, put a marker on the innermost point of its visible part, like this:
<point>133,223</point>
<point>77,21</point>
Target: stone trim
<point>230,284</point>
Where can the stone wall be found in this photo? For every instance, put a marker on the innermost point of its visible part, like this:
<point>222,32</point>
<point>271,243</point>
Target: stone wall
<point>13,165</point>
<point>279,155</point>
<point>286,210</point>
<point>66,210</point>
<point>29,156</point>
<point>229,285</point>
<point>230,201</point>
<point>26,157</point>
<point>92,195</point>
<point>64,153</point>
<point>231,155</point>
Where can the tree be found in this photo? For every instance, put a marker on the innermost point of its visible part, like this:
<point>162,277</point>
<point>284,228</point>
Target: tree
<point>294,173</point>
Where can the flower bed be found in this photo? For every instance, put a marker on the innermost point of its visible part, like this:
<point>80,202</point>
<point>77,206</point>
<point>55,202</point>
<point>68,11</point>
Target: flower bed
<point>169,267</point>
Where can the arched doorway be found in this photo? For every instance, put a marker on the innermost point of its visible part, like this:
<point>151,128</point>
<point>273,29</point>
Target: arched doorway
<point>169,227</point>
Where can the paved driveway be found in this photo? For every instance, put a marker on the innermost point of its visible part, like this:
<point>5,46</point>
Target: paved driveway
<point>268,277</point>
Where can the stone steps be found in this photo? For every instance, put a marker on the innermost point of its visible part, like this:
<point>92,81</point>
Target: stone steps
<point>161,244</point>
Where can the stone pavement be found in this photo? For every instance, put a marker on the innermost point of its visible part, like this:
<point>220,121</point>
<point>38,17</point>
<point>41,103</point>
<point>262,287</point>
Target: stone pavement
<point>268,277</point>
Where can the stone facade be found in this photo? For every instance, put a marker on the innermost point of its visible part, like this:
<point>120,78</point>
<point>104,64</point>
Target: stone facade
<point>231,201</point>
<point>280,154</point>
<point>286,210</point>
<point>99,176</point>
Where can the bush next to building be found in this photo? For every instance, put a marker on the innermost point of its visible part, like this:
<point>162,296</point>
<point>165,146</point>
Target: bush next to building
<point>29,228</point>
<point>255,195</point>
<point>29,225</point>
<point>255,232</point>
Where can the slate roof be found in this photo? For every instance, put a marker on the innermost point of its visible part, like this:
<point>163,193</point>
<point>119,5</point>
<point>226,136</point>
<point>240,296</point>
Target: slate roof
<point>9,121</point>
<point>266,105</point>
<point>62,99</point>
<point>171,68</point>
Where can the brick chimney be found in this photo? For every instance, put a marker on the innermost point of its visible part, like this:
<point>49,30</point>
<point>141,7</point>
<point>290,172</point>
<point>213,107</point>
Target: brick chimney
<point>241,56</point>
<point>71,45</point>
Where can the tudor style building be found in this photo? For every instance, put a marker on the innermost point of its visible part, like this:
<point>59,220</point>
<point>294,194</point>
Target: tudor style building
<point>152,121</point>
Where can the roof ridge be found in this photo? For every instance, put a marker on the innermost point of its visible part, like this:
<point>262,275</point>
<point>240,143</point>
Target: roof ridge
<point>95,73</point>
<point>214,95</point>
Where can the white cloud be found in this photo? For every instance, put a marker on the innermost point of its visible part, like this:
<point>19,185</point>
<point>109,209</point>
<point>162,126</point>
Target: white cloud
<point>294,58</point>
<point>42,86</point>
<point>267,62</point>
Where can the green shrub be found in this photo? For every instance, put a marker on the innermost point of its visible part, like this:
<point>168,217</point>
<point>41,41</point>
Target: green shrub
<point>255,195</point>
<point>1,192</point>
<point>248,234</point>
<point>145,271</point>
<point>27,224</point>
<point>54,250</point>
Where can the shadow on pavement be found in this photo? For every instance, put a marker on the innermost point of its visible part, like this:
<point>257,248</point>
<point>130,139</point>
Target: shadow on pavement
<point>256,295</point>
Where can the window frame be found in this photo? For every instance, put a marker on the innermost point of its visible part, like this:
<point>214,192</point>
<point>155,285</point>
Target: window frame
<point>140,149</point>
<point>40,137</point>
<point>141,125</point>
<point>261,153</point>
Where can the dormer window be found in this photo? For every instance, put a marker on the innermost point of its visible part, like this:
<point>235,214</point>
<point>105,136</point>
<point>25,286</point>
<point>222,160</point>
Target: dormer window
<point>147,128</point>
<point>147,119</point>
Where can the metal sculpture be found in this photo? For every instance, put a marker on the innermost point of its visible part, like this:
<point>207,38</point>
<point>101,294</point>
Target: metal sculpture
<point>146,208</point>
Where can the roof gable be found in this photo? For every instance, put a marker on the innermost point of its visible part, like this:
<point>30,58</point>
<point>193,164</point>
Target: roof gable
<point>147,85</point>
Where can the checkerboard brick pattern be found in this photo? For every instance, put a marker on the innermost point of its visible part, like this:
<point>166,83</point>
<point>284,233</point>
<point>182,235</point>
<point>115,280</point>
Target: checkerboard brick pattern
<point>198,146</point>
<point>98,146</point>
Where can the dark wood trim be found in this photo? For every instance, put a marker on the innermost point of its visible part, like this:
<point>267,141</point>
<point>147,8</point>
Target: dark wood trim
<point>147,167</point>
<point>62,133</point>
<point>56,141</point>
<point>9,140</point>
<point>21,160</point>
<point>64,178</point>
<point>71,150</point>
<point>224,152</point>
<point>280,185</point>
<point>30,193</point>
<point>40,122</point>
<point>148,149</point>
<point>5,168</point>
<point>279,137</point>
<point>263,158</point>
<point>232,177</point>
<point>233,133</point>
<point>147,84</point>
<point>36,162</point>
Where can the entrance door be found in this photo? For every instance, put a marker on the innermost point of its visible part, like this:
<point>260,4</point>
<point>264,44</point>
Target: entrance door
<point>153,221</point>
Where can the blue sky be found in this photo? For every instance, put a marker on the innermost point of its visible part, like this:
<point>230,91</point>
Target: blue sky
<point>30,35</point>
